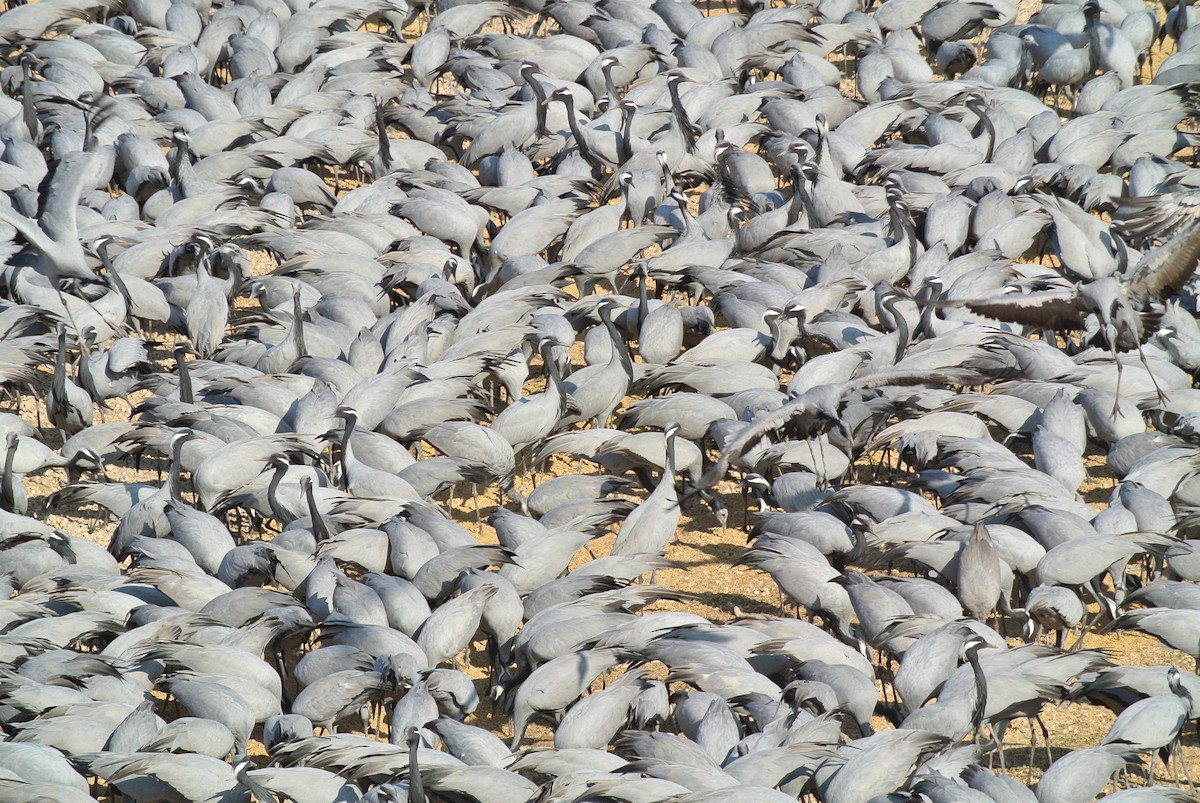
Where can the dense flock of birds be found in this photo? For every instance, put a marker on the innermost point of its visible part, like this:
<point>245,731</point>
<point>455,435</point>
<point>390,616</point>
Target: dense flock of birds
<point>598,263</point>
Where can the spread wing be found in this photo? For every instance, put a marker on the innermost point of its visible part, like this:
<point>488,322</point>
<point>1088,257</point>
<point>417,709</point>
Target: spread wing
<point>1164,270</point>
<point>1049,309</point>
<point>1157,217</point>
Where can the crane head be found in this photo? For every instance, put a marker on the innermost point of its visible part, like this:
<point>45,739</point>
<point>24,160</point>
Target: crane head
<point>182,435</point>
<point>90,459</point>
<point>606,305</point>
<point>719,510</point>
<point>275,462</point>
<point>794,310</point>
<point>757,481</point>
<point>1175,683</point>
<point>972,644</point>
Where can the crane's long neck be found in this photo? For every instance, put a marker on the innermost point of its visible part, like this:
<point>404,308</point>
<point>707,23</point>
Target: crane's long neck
<point>416,786</point>
<point>989,130</point>
<point>781,336</point>
<point>319,527</point>
<point>58,379</point>
<point>89,141</point>
<point>1091,17</point>
<point>643,299</point>
<point>173,473</point>
<point>347,454</point>
<point>539,102</point>
<point>577,132</point>
<point>8,491</point>
<point>902,229</point>
<point>177,158</point>
<point>112,274</point>
<point>903,332</point>
<point>619,353</point>
<point>822,163</point>
<point>668,179</point>
<point>858,533</point>
<point>385,149</point>
<point>539,115</point>
<point>977,716</point>
<point>667,481</point>
<point>86,380</point>
<point>28,110</point>
<point>186,394</point>
<point>298,327</point>
<point>626,142</point>
<point>185,174</point>
<point>930,293</point>
<point>556,381</point>
<point>737,229</point>
<point>690,226</point>
<point>610,86</point>
<point>273,493</point>
<point>203,275</point>
<point>801,201</point>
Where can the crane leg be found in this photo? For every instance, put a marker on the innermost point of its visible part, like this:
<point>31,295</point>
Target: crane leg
<point>1032,749</point>
<point>1094,594</point>
<point>1142,354</point>
<point>998,731</point>
<point>824,473</point>
<point>1045,738</point>
<point>887,680</point>
<point>1178,753</point>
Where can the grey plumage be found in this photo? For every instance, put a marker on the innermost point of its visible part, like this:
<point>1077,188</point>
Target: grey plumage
<point>417,265</point>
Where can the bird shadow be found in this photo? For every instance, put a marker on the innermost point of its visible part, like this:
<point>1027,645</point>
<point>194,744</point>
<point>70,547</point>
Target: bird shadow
<point>732,604</point>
